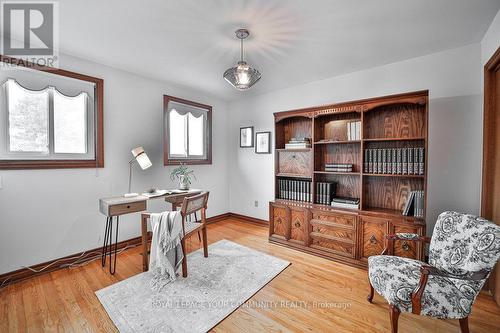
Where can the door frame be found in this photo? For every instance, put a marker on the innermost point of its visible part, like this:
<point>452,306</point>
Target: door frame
<point>489,127</point>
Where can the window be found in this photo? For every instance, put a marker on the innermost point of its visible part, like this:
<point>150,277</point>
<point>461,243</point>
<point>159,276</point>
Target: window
<point>187,132</point>
<point>49,120</point>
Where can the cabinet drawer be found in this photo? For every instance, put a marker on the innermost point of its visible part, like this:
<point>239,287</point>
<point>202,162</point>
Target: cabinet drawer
<point>373,232</point>
<point>342,220</point>
<point>295,163</point>
<point>343,233</point>
<point>280,220</point>
<point>330,244</point>
<point>126,208</point>
<point>403,248</point>
<point>298,225</point>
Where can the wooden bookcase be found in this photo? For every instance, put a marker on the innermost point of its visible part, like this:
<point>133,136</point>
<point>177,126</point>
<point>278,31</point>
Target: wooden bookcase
<point>349,235</point>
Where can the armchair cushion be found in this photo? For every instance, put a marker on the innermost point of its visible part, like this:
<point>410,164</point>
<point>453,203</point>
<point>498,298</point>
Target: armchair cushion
<point>395,278</point>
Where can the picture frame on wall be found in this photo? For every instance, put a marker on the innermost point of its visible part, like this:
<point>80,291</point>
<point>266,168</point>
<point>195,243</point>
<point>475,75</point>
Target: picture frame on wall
<point>263,143</point>
<point>246,137</point>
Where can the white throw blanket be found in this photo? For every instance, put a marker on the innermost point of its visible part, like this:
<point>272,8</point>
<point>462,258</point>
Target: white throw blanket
<point>166,250</point>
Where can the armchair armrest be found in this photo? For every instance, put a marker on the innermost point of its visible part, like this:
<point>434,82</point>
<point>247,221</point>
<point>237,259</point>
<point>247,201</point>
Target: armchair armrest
<point>404,237</point>
<point>426,270</point>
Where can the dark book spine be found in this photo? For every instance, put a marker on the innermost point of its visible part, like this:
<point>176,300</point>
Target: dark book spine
<point>303,190</point>
<point>410,161</point>
<point>415,161</point>
<point>384,160</point>
<point>280,186</point>
<point>421,161</point>
<point>394,161</point>
<point>370,160</point>
<point>287,189</point>
<point>379,160</point>
<point>404,156</point>
<point>399,161</point>
<point>365,164</point>
<point>318,197</point>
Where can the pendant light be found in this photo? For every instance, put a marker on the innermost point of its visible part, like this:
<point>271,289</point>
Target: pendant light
<point>242,76</point>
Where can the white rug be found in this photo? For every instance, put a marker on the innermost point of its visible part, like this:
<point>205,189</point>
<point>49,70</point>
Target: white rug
<point>215,287</point>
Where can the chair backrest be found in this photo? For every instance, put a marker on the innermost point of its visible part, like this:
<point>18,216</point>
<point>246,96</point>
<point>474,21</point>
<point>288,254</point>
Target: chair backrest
<point>464,243</point>
<point>195,203</point>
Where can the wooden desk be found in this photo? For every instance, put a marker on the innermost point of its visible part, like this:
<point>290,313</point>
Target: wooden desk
<point>113,207</point>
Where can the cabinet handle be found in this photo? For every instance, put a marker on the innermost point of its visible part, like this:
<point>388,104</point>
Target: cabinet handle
<point>293,156</point>
<point>405,246</point>
<point>128,206</point>
<point>373,240</point>
<point>297,224</point>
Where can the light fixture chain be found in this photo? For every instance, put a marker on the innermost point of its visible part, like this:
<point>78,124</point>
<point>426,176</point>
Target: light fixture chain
<point>241,49</point>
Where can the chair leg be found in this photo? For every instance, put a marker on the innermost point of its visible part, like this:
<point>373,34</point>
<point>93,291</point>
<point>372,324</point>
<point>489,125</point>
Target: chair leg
<point>394,316</point>
<point>205,245</point>
<point>370,296</point>
<point>184,260</point>
<point>464,325</point>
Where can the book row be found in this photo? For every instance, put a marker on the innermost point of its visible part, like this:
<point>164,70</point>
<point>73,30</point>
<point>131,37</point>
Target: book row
<point>338,167</point>
<point>403,161</point>
<point>324,192</point>
<point>354,130</point>
<point>298,190</point>
<point>414,205</point>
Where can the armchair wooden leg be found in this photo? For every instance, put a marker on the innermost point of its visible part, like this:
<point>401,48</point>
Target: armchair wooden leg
<point>464,325</point>
<point>370,295</point>
<point>394,316</point>
<point>205,243</point>
<point>184,260</point>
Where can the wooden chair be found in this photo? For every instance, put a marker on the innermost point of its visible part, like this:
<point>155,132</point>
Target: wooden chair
<point>463,251</point>
<point>190,206</point>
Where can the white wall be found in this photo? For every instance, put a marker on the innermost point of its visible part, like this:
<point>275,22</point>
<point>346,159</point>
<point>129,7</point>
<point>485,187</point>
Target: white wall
<point>47,214</point>
<point>491,40</point>
<point>454,81</point>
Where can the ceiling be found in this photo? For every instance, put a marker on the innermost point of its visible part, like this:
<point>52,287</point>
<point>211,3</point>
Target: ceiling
<point>192,42</point>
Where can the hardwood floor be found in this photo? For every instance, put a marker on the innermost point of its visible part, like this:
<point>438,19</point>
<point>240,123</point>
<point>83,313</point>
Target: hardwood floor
<point>64,300</point>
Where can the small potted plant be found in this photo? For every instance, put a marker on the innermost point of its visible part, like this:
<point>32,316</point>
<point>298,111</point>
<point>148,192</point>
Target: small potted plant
<point>183,174</point>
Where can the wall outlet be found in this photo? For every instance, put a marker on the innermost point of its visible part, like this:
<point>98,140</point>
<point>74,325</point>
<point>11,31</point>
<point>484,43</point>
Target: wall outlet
<point>256,203</point>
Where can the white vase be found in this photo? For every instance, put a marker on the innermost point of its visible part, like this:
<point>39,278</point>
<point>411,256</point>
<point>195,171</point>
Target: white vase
<point>183,183</point>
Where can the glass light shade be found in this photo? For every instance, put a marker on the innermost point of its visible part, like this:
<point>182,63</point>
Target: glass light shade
<point>242,76</point>
<point>141,158</point>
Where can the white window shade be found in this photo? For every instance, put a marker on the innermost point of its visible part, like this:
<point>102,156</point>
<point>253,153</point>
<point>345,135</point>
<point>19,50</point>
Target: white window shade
<point>187,131</point>
<point>70,123</point>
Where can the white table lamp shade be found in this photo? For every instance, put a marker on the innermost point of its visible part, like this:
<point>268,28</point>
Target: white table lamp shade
<point>141,157</point>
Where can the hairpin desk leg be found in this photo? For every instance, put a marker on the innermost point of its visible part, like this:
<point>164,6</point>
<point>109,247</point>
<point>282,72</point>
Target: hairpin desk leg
<point>112,263</point>
<point>105,243</point>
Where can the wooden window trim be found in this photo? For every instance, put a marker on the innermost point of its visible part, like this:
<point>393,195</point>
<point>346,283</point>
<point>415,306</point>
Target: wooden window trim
<point>174,161</point>
<point>98,161</point>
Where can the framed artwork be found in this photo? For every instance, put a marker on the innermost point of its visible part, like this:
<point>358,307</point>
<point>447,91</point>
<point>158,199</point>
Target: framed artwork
<point>246,137</point>
<point>263,142</point>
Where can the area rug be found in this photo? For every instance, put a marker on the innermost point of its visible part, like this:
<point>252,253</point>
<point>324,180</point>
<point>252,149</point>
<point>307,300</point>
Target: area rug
<point>214,288</point>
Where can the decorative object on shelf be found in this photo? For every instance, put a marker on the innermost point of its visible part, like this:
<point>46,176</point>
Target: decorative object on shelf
<point>242,76</point>
<point>246,137</point>
<point>143,161</point>
<point>298,143</point>
<point>183,174</point>
<point>263,142</point>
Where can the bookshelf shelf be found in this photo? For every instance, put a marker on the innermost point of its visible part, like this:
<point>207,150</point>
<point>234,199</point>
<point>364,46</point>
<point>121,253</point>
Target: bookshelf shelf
<point>394,139</point>
<point>338,173</point>
<point>392,123</point>
<point>392,175</point>
<point>291,175</point>
<point>330,142</point>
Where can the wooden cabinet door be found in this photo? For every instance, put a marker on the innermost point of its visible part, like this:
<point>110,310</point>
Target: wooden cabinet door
<point>299,224</point>
<point>408,249</point>
<point>295,163</point>
<point>373,232</point>
<point>279,221</point>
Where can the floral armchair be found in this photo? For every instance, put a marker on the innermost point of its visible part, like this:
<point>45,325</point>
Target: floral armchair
<point>463,251</point>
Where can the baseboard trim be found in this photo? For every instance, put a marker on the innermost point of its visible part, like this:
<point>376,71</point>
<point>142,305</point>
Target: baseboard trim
<point>248,219</point>
<point>25,273</point>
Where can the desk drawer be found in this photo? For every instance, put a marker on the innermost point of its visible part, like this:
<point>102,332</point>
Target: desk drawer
<point>126,208</point>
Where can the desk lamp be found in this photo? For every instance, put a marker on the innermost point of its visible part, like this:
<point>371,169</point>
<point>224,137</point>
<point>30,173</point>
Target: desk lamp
<point>143,161</point>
